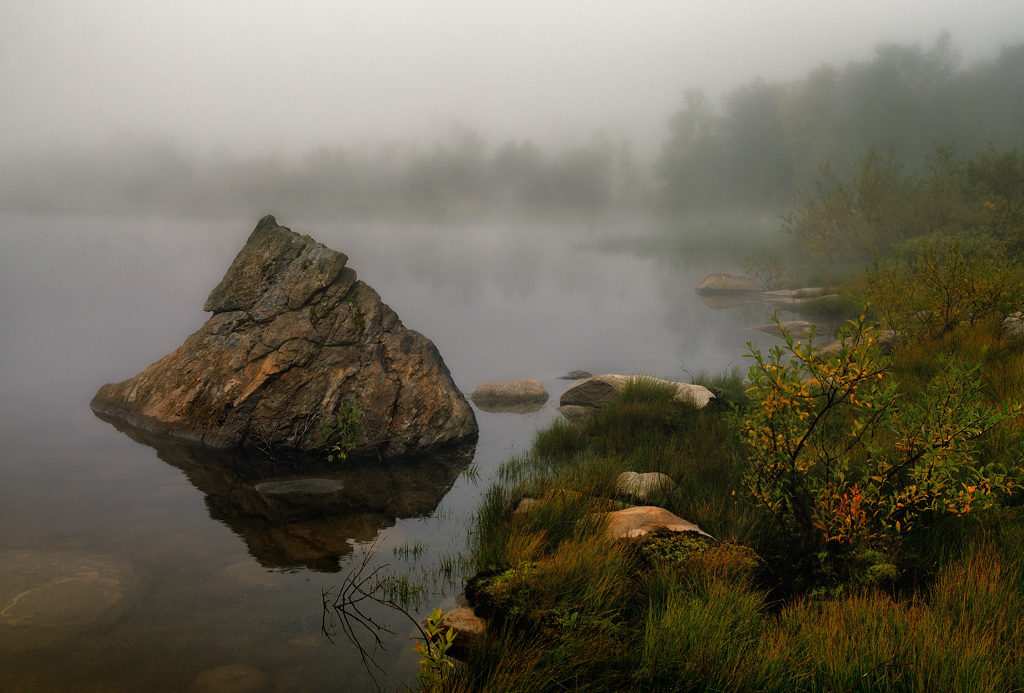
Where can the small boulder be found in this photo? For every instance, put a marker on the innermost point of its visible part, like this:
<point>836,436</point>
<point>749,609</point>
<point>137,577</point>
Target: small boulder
<point>468,627</point>
<point>525,506</point>
<point>574,412</point>
<point>1013,325</point>
<point>644,519</point>
<point>644,485</point>
<point>888,341</point>
<point>576,375</point>
<point>522,396</point>
<point>721,283</point>
<point>601,390</point>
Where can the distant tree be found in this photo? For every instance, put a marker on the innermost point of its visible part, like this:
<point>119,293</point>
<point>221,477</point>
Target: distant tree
<point>768,140</point>
<point>692,162</point>
<point>759,165</point>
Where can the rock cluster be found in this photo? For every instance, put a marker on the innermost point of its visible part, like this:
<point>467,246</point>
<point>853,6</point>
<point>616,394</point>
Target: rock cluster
<point>293,336</point>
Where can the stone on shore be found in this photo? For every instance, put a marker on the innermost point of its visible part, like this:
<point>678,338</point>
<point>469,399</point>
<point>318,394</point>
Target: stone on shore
<point>644,485</point>
<point>294,336</point>
<point>636,522</point>
<point>721,283</point>
<point>601,390</point>
<point>1013,325</point>
<point>468,627</point>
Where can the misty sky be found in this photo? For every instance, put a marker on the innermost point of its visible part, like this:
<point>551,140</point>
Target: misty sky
<point>263,76</point>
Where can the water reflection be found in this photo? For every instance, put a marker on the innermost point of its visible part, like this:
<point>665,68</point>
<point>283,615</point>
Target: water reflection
<point>304,512</point>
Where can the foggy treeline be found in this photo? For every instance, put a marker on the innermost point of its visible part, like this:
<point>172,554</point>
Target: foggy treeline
<point>762,143</point>
<point>459,173</point>
<point>767,140</point>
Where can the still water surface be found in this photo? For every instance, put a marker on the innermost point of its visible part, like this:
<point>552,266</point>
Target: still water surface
<point>124,567</point>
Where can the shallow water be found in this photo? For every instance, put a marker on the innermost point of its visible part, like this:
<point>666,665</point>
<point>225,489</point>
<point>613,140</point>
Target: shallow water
<point>125,566</point>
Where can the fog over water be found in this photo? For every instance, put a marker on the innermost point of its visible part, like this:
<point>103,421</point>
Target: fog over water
<point>487,167</point>
<point>261,76</point>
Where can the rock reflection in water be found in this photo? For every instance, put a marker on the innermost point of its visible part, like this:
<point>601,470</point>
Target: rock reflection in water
<point>304,512</point>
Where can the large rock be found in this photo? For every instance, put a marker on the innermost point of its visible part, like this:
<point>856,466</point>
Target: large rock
<point>721,283</point>
<point>601,390</point>
<point>293,336</point>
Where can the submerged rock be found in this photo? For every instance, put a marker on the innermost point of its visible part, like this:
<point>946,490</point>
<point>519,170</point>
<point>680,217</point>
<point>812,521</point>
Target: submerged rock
<point>601,390</point>
<point>46,596</point>
<point>793,327</point>
<point>294,336</point>
<point>576,375</point>
<point>230,678</point>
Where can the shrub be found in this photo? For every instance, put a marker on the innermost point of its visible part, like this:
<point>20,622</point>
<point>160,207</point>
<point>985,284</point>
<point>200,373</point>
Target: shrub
<point>882,207</point>
<point>841,459</point>
<point>932,288</point>
<point>341,431</point>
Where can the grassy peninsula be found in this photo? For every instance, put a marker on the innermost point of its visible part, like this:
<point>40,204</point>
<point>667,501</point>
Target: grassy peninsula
<point>865,499</point>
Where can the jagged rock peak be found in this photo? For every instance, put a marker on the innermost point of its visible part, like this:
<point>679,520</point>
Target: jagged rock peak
<point>294,336</point>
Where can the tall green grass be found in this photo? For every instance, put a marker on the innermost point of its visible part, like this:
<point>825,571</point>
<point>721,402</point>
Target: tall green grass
<point>572,610</point>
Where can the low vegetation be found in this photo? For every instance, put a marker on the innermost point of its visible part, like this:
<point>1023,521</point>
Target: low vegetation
<point>865,500</point>
<point>901,571</point>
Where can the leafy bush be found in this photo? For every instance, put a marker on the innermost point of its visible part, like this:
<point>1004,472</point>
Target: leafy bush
<point>341,431</point>
<point>766,268</point>
<point>433,651</point>
<point>841,459</point>
<point>934,287</point>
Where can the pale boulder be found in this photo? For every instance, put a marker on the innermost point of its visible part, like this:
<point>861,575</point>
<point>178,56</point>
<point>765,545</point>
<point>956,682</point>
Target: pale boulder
<point>644,485</point>
<point>601,390</point>
<point>721,283</point>
<point>636,522</point>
